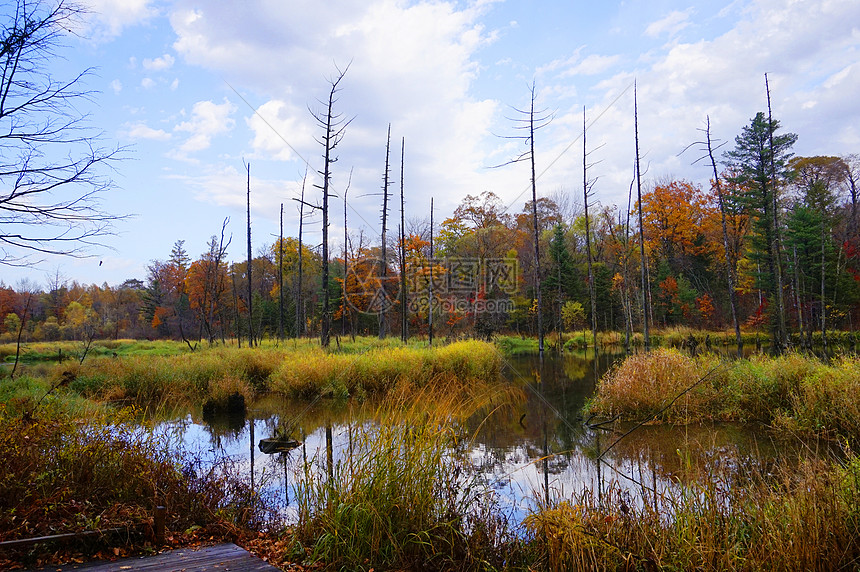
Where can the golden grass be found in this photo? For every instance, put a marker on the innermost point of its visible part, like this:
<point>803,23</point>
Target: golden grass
<point>793,392</point>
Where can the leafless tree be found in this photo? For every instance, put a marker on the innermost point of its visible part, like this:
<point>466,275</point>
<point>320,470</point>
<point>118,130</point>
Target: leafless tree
<point>52,162</point>
<point>646,296</point>
<point>386,180</point>
<point>404,298</point>
<point>586,191</point>
<point>783,340</point>
<point>531,121</point>
<point>334,128</point>
<point>250,260</point>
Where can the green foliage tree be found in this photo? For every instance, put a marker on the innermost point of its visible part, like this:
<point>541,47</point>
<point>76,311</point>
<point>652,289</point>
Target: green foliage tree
<point>759,164</point>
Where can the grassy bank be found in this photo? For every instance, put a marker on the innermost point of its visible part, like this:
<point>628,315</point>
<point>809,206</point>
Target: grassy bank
<point>65,475</point>
<point>366,367</point>
<point>793,393</point>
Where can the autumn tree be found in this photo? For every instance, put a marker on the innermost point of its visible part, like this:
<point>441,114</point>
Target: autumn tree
<point>673,214</point>
<point>206,284</point>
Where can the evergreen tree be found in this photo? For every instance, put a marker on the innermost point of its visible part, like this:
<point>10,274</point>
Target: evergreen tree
<point>759,162</point>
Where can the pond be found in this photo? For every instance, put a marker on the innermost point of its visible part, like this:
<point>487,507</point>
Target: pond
<point>540,449</point>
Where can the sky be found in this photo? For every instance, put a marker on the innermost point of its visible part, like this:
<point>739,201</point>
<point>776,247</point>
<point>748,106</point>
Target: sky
<point>198,89</point>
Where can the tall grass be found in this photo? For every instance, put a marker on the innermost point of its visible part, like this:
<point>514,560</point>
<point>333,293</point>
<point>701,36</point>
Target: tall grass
<point>296,370</point>
<point>378,371</point>
<point>795,393</point>
<point>795,519</point>
<point>406,498</point>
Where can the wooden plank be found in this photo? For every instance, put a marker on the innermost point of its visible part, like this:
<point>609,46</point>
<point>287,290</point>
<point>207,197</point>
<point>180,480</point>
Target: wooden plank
<point>209,559</point>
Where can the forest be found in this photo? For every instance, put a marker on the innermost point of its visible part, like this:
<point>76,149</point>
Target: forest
<point>779,255</point>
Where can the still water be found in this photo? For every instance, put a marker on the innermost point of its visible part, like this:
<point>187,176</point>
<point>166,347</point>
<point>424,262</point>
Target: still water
<point>540,449</point>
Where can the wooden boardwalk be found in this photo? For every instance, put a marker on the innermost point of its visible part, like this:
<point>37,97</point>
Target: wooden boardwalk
<point>207,559</point>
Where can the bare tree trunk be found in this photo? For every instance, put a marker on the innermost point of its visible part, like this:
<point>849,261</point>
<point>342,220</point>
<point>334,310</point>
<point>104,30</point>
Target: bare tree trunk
<point>430,284</point>
<point>823,299</point>
<point>250,287</point>
<point>343,296</point>
<point>383,324</point>
<point>281,276</point>
<point>730,264</point>
<point>300,303</point>
<point>535,220</point>
<point>646,298</point>
<point>236,309</point>
<point>404,298</point>
<point>798,298</point>
<point>591,292</point>
<point>20,332</point>
<point>335,127</point>
<point>777,243</point>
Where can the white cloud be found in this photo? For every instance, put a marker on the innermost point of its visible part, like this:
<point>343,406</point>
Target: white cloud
<point>224,186</point>
<point>108,17</point>
<point>116,86</point>
<point>147,83</point>
<point>140,130</point>
<point>207,120</point>
<point>593,64</point>
<point>278,127</point>
<point>159,64</point>
<point>670,24</point>
<point>411,65</point>
<point>174,84</point>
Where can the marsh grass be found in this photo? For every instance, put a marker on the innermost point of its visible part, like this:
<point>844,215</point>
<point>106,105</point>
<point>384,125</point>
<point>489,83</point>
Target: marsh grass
<point>406,497</point>
<point>33,352</point>
<point>794,393</point>
<point>782,518</point>
<point>300,369</point>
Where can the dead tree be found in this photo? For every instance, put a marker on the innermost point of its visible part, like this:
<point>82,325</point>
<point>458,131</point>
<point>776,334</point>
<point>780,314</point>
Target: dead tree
<point>334,127</point>
<point>777,242</point>
<point>646,301</point>
<point>383,271</point>
<point>281,276</point>
<point>404,299</point>
<point>299,295</point>
<point>586,187</point>
<point>250,288</point>
<point>54,167</point>
<point>531,121</point>
<point>730,262</point>
<point>430,283</point>
<point>343,295</point>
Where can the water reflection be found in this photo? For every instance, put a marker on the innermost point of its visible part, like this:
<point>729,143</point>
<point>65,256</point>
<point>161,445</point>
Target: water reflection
<point>537,451</point>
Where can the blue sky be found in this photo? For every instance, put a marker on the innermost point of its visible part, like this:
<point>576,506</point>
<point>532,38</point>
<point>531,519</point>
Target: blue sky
<point>194,88</point>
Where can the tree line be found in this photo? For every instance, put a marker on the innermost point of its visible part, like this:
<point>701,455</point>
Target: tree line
<point>484,257</point>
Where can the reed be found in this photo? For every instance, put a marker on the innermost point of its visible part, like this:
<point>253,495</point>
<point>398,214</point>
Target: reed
<point>406,498</point>
<point>789,518</point>
<point>794,393</point>
<point>299,369</point>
